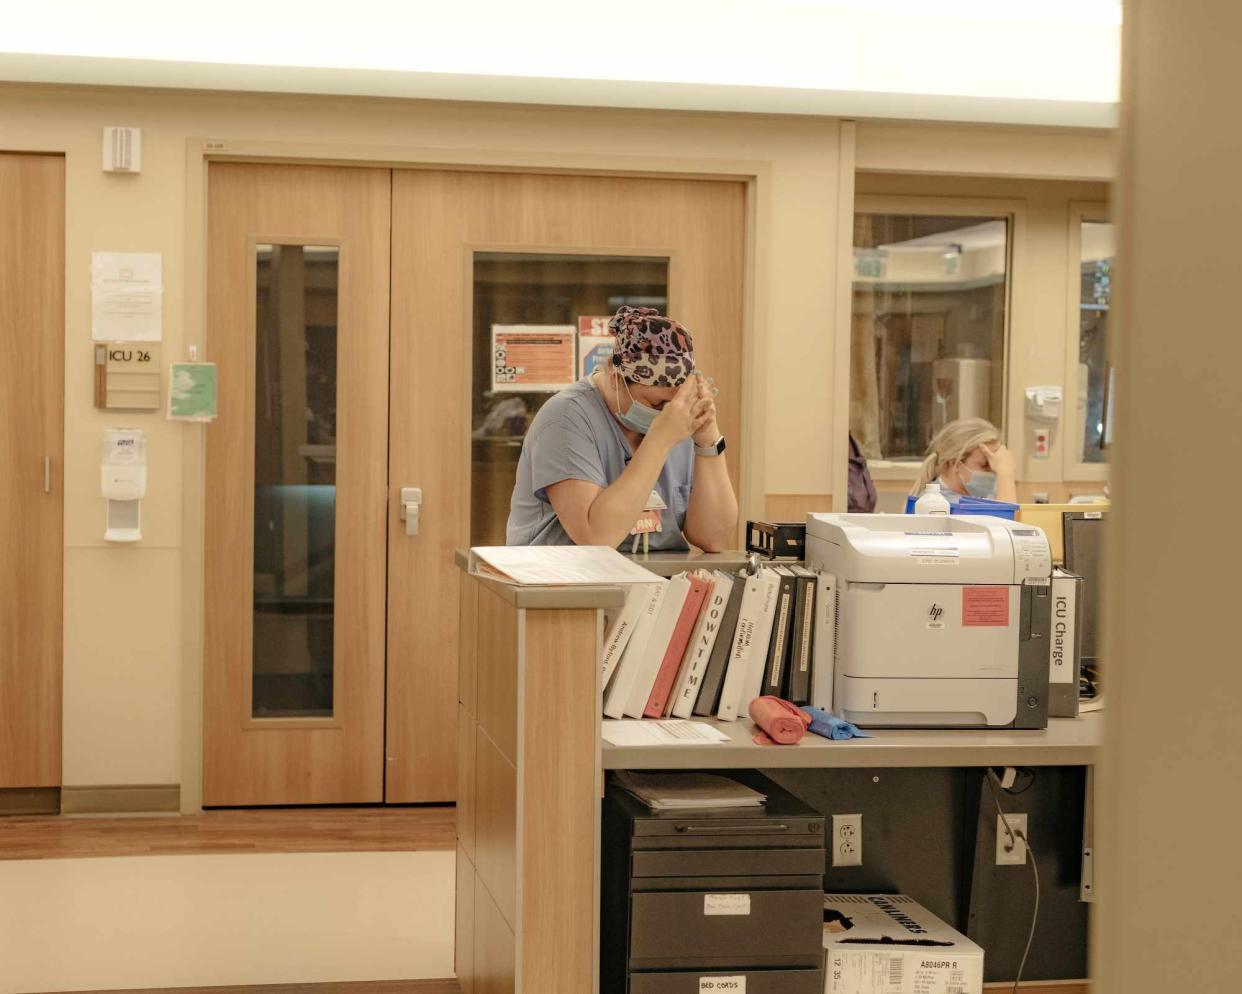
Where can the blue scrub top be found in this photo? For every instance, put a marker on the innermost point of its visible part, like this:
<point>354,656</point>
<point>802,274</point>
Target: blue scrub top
<point>575,437</point>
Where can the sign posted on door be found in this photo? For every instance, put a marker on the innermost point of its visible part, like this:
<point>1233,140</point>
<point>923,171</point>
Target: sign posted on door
<point>533,358</point>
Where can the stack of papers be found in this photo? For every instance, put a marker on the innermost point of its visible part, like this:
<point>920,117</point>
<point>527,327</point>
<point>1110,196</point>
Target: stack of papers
<point>688,791</point>
<point>555,565</point>
<point>673,732</point>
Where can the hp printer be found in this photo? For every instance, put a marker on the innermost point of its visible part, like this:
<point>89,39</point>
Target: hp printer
<point>940,620</point>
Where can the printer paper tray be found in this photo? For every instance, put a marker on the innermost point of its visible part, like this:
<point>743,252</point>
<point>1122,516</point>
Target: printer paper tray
<point>930,702</point>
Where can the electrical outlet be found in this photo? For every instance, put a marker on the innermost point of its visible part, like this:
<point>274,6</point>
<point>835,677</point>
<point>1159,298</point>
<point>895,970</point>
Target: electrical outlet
<point>1007,853</point>
<point>847,840</point>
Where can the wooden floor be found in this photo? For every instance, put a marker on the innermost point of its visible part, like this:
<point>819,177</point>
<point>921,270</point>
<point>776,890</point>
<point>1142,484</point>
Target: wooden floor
<point>1052,987</point>
<point>362,987</point>
<point>450,987</point>
<point>283,830</point>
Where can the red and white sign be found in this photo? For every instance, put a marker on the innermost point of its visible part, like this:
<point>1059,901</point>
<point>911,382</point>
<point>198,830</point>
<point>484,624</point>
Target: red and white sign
<point>594,325</point>
<point>533,358</point>
<point>985,607</point>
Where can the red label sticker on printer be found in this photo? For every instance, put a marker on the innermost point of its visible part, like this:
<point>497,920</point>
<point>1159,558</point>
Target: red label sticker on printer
<point>985,607</point>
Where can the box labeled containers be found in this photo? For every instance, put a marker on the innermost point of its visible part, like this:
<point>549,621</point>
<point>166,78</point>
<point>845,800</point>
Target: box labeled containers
<point>890,944</point>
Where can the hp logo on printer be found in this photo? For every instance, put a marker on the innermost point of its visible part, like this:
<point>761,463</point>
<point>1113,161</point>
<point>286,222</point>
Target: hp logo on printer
<point>934,614</point>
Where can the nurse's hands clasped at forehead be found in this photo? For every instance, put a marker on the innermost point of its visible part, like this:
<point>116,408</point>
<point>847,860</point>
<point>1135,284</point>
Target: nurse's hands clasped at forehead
<point>690,412</point>
<point>708,431</point>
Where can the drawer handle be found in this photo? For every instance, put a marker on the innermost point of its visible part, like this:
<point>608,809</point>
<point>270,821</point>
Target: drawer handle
<point>732,829</point>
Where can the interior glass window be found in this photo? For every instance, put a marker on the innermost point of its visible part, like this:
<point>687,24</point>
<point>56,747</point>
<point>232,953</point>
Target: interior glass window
<point>1095,373</point>
<point>540,323</point>
<point>294,480</point>
<point>928,327</point>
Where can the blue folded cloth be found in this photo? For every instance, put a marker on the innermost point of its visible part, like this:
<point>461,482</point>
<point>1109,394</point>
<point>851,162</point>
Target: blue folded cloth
<point>832,727</point>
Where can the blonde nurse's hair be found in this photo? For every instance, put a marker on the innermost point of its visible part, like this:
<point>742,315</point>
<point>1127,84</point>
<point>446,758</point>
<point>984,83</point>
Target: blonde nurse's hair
<point>952,443</point>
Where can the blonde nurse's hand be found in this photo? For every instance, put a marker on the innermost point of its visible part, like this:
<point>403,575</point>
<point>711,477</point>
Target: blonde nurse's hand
<point>1000,461</point>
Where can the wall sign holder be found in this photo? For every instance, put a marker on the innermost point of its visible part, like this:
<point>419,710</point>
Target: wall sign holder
<point>127,376</point>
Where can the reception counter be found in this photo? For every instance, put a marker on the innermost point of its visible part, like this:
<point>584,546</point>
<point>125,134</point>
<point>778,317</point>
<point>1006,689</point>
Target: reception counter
<point>531,774</point>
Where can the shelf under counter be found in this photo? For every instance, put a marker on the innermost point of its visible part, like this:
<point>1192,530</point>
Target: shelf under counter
<point>1065,742</point>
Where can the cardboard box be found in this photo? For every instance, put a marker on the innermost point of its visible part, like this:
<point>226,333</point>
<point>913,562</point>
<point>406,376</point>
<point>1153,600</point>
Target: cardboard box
<point>1065,644</point>
<point>889,944</point>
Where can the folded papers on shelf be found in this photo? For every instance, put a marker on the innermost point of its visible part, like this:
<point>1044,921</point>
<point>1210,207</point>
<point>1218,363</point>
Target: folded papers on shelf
<point>674,732</point>
<point>688,791</point>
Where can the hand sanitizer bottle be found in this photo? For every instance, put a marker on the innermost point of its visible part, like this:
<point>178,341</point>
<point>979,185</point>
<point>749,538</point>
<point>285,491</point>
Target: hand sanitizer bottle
<point>931,501</point>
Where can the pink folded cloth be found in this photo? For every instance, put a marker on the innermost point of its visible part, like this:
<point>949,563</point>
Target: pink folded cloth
<point>777,721</point>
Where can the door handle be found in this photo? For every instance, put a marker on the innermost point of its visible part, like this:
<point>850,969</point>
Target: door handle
<point>47,474</point>
<point>411,503</point>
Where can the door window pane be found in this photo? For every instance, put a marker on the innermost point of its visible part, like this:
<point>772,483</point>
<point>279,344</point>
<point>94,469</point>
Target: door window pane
<point>533,334</point>
<point>1095,375</point>
<point>295,480</point>
<point>927,327</point>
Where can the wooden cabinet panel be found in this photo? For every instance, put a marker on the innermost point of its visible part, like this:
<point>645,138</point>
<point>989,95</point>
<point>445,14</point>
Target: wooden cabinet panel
<point>498,640</point>
<point>466,731</point>
<point>463,946</point>
<point>494,948</point>
<point>467,672</point>
<point>495,823</point>
<point>559,774</point>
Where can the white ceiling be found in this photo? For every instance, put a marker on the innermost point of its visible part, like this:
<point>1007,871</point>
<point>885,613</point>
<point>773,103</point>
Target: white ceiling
<point>1052,62</point>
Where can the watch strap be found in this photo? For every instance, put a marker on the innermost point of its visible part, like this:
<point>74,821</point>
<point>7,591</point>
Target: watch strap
<point>715,449</point>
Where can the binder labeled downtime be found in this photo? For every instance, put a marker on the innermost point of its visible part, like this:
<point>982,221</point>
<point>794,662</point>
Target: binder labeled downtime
<point>707,643</point>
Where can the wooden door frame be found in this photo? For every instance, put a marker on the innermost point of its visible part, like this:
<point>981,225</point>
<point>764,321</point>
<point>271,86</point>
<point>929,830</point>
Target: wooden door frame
<point>202,151</point>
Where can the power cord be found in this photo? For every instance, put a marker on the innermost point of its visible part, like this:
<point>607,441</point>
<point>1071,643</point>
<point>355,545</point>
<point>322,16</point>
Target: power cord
<point>993,783</point>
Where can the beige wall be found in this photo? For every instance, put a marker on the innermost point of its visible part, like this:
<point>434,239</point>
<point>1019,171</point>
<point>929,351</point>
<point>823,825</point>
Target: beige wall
<point>957,150</point>
<point>1166,840</point>
<point>127,684</point>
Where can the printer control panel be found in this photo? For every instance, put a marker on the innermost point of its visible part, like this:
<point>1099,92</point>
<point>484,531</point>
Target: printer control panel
<point>1032,558</point>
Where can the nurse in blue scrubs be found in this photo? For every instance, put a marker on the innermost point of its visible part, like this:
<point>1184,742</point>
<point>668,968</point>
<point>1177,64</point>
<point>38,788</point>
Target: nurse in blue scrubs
<point>634,440</point>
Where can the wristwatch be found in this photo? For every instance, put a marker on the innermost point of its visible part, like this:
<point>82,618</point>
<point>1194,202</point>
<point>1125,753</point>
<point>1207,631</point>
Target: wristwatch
<point>715,449</point>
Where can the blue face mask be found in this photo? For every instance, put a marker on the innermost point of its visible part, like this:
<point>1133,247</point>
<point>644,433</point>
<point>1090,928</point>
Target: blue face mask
<point>982,483</point>
<point>639,417</point>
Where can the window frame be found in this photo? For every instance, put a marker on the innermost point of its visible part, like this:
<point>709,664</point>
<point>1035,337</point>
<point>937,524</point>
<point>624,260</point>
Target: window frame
<point>1073,468</point>
<point>1013,211</point>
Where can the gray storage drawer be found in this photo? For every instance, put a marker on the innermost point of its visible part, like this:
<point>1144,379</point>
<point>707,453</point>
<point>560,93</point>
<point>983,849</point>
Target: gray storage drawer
<point>757,982</point>
<point>728,862</point>
<point>669,930</point>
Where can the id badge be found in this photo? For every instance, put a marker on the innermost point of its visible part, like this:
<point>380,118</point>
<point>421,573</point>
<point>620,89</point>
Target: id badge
<point>650,520</point>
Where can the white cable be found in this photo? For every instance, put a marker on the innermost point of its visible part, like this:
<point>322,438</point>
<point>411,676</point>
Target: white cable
<point>1013,841</point>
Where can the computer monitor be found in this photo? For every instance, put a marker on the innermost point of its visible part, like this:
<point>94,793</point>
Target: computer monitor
<point>1084,542</point>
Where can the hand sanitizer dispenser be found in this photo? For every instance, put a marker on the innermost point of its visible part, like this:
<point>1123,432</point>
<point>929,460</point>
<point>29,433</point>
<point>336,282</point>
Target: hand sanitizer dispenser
<point>123,474</point>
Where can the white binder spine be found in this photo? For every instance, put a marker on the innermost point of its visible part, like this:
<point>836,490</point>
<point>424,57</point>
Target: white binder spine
<point>823,669</point>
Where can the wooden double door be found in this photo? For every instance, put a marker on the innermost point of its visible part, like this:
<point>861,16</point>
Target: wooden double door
<point>353,313</point>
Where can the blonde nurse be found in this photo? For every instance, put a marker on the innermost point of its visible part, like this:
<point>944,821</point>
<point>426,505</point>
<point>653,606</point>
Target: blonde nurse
<point>968,457</point>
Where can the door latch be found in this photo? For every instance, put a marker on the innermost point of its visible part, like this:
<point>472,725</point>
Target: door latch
<point>411,502</point>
